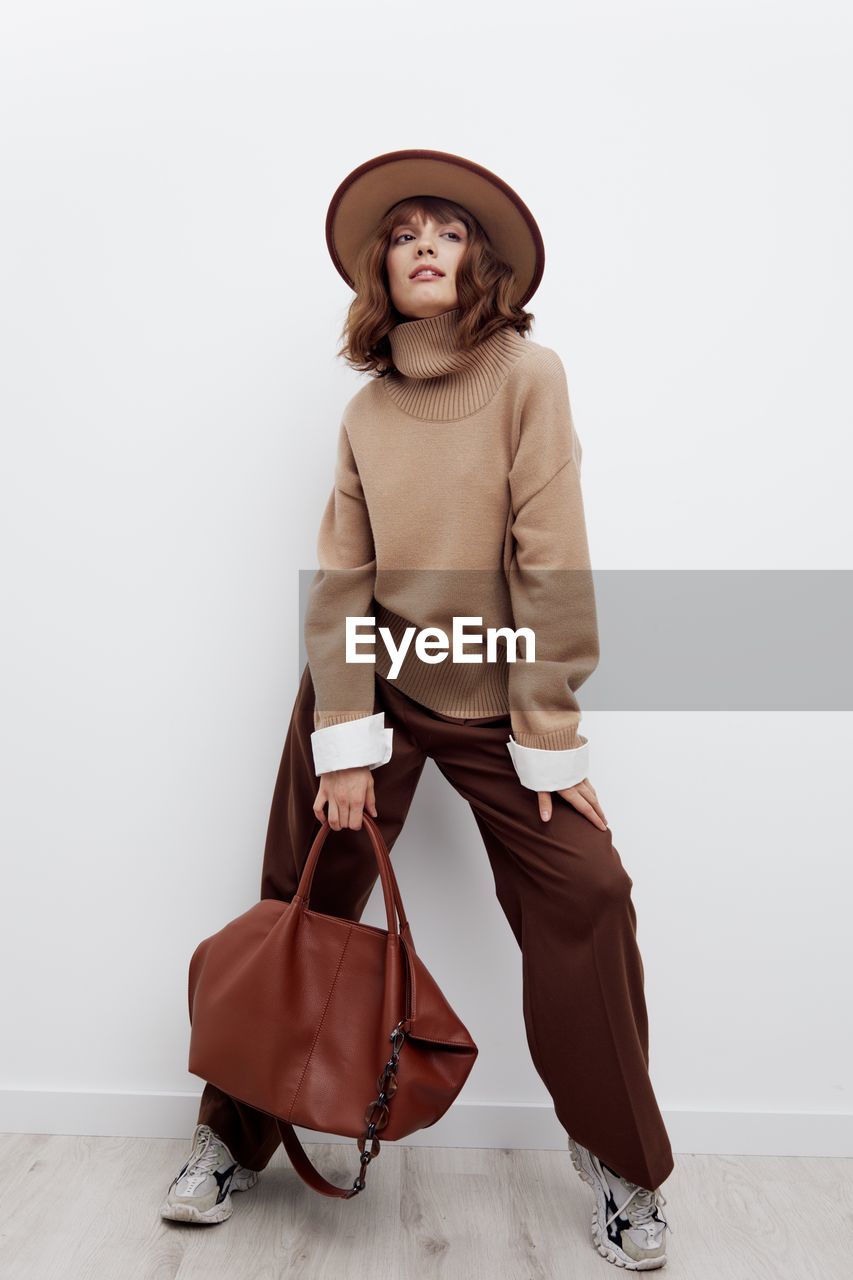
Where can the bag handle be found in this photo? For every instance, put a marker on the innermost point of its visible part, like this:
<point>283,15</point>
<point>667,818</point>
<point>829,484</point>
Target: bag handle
<point>376,1115</point>
<point>390,887</point>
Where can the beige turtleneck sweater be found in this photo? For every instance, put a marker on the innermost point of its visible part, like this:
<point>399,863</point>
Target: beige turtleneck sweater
<point>457,495</point>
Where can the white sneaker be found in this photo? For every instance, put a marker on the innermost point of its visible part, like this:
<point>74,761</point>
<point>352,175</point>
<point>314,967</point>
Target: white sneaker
<point>628,1228</point>
<point>201,1192</point>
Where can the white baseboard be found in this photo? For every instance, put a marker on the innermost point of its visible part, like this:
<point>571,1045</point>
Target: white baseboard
<point>467,1124</point>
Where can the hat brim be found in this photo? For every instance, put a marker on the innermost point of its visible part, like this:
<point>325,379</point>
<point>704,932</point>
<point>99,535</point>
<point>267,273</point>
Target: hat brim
<point>367,193</point>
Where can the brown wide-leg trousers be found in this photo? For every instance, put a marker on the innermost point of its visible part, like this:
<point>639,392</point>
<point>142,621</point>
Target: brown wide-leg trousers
<point>566,896</point>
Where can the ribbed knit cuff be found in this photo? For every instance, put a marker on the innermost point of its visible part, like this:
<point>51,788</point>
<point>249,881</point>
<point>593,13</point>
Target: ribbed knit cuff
<point>560,740</point>
<point>322,722</point>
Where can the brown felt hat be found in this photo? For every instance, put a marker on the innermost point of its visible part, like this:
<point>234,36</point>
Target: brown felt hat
<point>367,193</point>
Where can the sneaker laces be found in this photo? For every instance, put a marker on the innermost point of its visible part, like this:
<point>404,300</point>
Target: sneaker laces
<point>207,1158</point>
<point>645,1209</point>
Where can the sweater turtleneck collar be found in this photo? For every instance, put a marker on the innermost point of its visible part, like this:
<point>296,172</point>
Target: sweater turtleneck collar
<point>433,378</point>
<point>427,348</point>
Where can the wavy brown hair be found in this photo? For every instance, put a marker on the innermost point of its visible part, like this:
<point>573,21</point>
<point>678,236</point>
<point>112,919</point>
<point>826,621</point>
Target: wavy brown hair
<point>485,287</point>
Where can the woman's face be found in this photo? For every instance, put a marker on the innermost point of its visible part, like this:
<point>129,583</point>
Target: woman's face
<point>414,249</point>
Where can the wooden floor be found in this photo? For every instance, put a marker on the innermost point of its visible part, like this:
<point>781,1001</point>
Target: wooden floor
<point>87,1209</point>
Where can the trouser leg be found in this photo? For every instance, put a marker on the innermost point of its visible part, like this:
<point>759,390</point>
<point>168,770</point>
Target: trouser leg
<point>344,877</point>
<point>584,1007</point>
<point>567,898</point>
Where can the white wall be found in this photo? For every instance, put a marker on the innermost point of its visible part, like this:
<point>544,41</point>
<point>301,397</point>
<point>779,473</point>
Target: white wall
<point>170,402</point>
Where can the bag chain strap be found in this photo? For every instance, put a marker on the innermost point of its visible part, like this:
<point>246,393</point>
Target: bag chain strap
<point>387,1086</point>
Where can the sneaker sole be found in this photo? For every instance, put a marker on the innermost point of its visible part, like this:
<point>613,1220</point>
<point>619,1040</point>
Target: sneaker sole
<point>183,1211</point>
<point>600,1239</point>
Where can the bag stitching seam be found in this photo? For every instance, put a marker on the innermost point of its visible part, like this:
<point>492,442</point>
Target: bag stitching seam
<point>320,1025</point>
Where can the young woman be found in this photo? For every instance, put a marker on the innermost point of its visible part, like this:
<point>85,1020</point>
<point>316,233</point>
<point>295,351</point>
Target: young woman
<point>457,502</point>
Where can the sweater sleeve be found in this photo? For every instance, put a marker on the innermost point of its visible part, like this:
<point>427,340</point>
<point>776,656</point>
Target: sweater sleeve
<point>551,588</point>
<point>347,729</point>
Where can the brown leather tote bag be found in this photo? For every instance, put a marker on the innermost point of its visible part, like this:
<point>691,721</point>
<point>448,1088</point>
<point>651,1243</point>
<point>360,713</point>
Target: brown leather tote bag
<point>292,1012</point>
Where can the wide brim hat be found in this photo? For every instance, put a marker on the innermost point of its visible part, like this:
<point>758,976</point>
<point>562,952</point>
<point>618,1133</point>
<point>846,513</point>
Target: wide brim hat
<point>367,194</point>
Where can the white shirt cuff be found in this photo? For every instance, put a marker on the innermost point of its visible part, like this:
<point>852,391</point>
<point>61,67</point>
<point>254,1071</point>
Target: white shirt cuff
<point>544,770</point>
<point>352,743</point>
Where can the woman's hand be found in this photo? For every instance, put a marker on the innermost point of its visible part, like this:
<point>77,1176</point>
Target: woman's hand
<point>349,792</point>
<point>582,796</point>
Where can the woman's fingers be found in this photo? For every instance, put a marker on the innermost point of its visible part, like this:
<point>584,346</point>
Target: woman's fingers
<point>355,816</point>
<point>589,792</point>
<point>583,806</point>
<point>332,812</point>
<point>347,802</point>
<point>583,798</point>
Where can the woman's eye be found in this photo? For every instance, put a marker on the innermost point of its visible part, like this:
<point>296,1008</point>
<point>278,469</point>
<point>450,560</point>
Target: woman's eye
<point>404,234</point>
